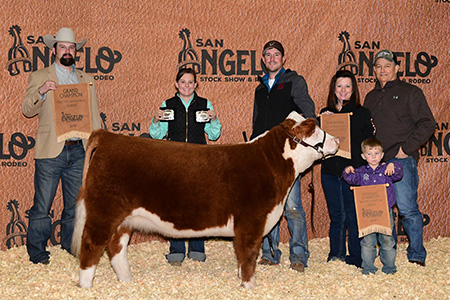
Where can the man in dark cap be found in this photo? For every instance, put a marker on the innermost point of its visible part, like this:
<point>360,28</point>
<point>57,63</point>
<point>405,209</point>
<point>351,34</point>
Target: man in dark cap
<point>55,161</point>
<point>280,92</point>
<point>404,122</point>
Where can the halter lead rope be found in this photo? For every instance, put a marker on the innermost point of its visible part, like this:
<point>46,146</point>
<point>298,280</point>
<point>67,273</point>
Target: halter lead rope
<point>318,147</point>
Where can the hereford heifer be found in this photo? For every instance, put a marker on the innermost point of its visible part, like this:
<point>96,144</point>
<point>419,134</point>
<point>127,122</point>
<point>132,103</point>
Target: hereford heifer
<point>187,190</point>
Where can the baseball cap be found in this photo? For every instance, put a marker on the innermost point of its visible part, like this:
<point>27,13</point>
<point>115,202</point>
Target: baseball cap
<point>387,55</point>
<point>273,44</point>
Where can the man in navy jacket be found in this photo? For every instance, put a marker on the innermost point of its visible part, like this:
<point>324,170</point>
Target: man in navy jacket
<point>280,92</point>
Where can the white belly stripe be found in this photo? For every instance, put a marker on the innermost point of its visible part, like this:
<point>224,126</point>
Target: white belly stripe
<point>141,219</point>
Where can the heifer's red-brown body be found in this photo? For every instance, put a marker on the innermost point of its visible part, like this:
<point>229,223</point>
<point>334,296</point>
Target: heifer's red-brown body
<point>185,190</point>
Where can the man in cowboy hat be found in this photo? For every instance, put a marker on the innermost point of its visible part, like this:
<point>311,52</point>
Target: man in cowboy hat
<point>55,161</point>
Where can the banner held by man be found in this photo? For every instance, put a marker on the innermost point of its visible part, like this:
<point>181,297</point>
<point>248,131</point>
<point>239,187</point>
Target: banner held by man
<point>72,111</point>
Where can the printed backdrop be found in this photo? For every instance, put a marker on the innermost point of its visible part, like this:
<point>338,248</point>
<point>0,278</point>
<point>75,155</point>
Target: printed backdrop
<point>135,48</point>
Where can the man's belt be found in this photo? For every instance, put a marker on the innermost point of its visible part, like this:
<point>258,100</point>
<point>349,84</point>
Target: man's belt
<point>72,143</point>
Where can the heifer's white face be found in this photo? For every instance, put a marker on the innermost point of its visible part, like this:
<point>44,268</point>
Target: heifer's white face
<point>314,147</point>
<point>330,143</point>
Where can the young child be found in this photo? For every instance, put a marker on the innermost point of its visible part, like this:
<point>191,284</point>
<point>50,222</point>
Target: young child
<point>371,174</point>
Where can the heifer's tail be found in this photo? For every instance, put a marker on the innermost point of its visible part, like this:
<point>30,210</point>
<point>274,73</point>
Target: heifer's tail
<point>90,149</point>
<point>80,214</point>
<point>80,220</point>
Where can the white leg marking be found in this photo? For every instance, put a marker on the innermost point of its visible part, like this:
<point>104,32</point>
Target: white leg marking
<point>250,284</point>
<point>87,276</point>
<point>119,261</point>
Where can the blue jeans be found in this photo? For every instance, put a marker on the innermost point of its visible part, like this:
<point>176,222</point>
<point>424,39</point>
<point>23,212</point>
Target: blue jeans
<point>298,244</point>
<point>388,250</point>
<point>196,250</point>
<point>411,217</point>
<point>342,212</point>
<point>67,166</point>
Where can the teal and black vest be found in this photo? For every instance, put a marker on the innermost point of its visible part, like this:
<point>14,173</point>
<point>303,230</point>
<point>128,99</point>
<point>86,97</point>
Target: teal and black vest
<point>184,128</point>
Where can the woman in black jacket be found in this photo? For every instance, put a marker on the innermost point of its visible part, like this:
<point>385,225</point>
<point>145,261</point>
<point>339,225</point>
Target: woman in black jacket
<point>343,97</point>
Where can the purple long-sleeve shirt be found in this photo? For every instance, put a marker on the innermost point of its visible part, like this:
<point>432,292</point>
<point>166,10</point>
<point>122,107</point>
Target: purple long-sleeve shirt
<point>365,175</point>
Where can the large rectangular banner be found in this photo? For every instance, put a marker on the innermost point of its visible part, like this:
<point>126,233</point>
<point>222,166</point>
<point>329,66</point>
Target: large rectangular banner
<point>338,125</point>
<point>133,76</point>
<point>72,110</point>
<point>372,209</point>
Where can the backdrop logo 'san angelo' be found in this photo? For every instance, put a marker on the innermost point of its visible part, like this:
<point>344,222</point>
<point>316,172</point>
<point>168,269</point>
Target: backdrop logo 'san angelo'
<point>18,55</point>
<point>415,70</point>
<point>16,229</point>
<point>347,59</point>
<point>187,58</point>
<point>437,149</point>
<point>16,150</point>
<point>20,59</point>
<point>216,63</point>
<point>128,128</point>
